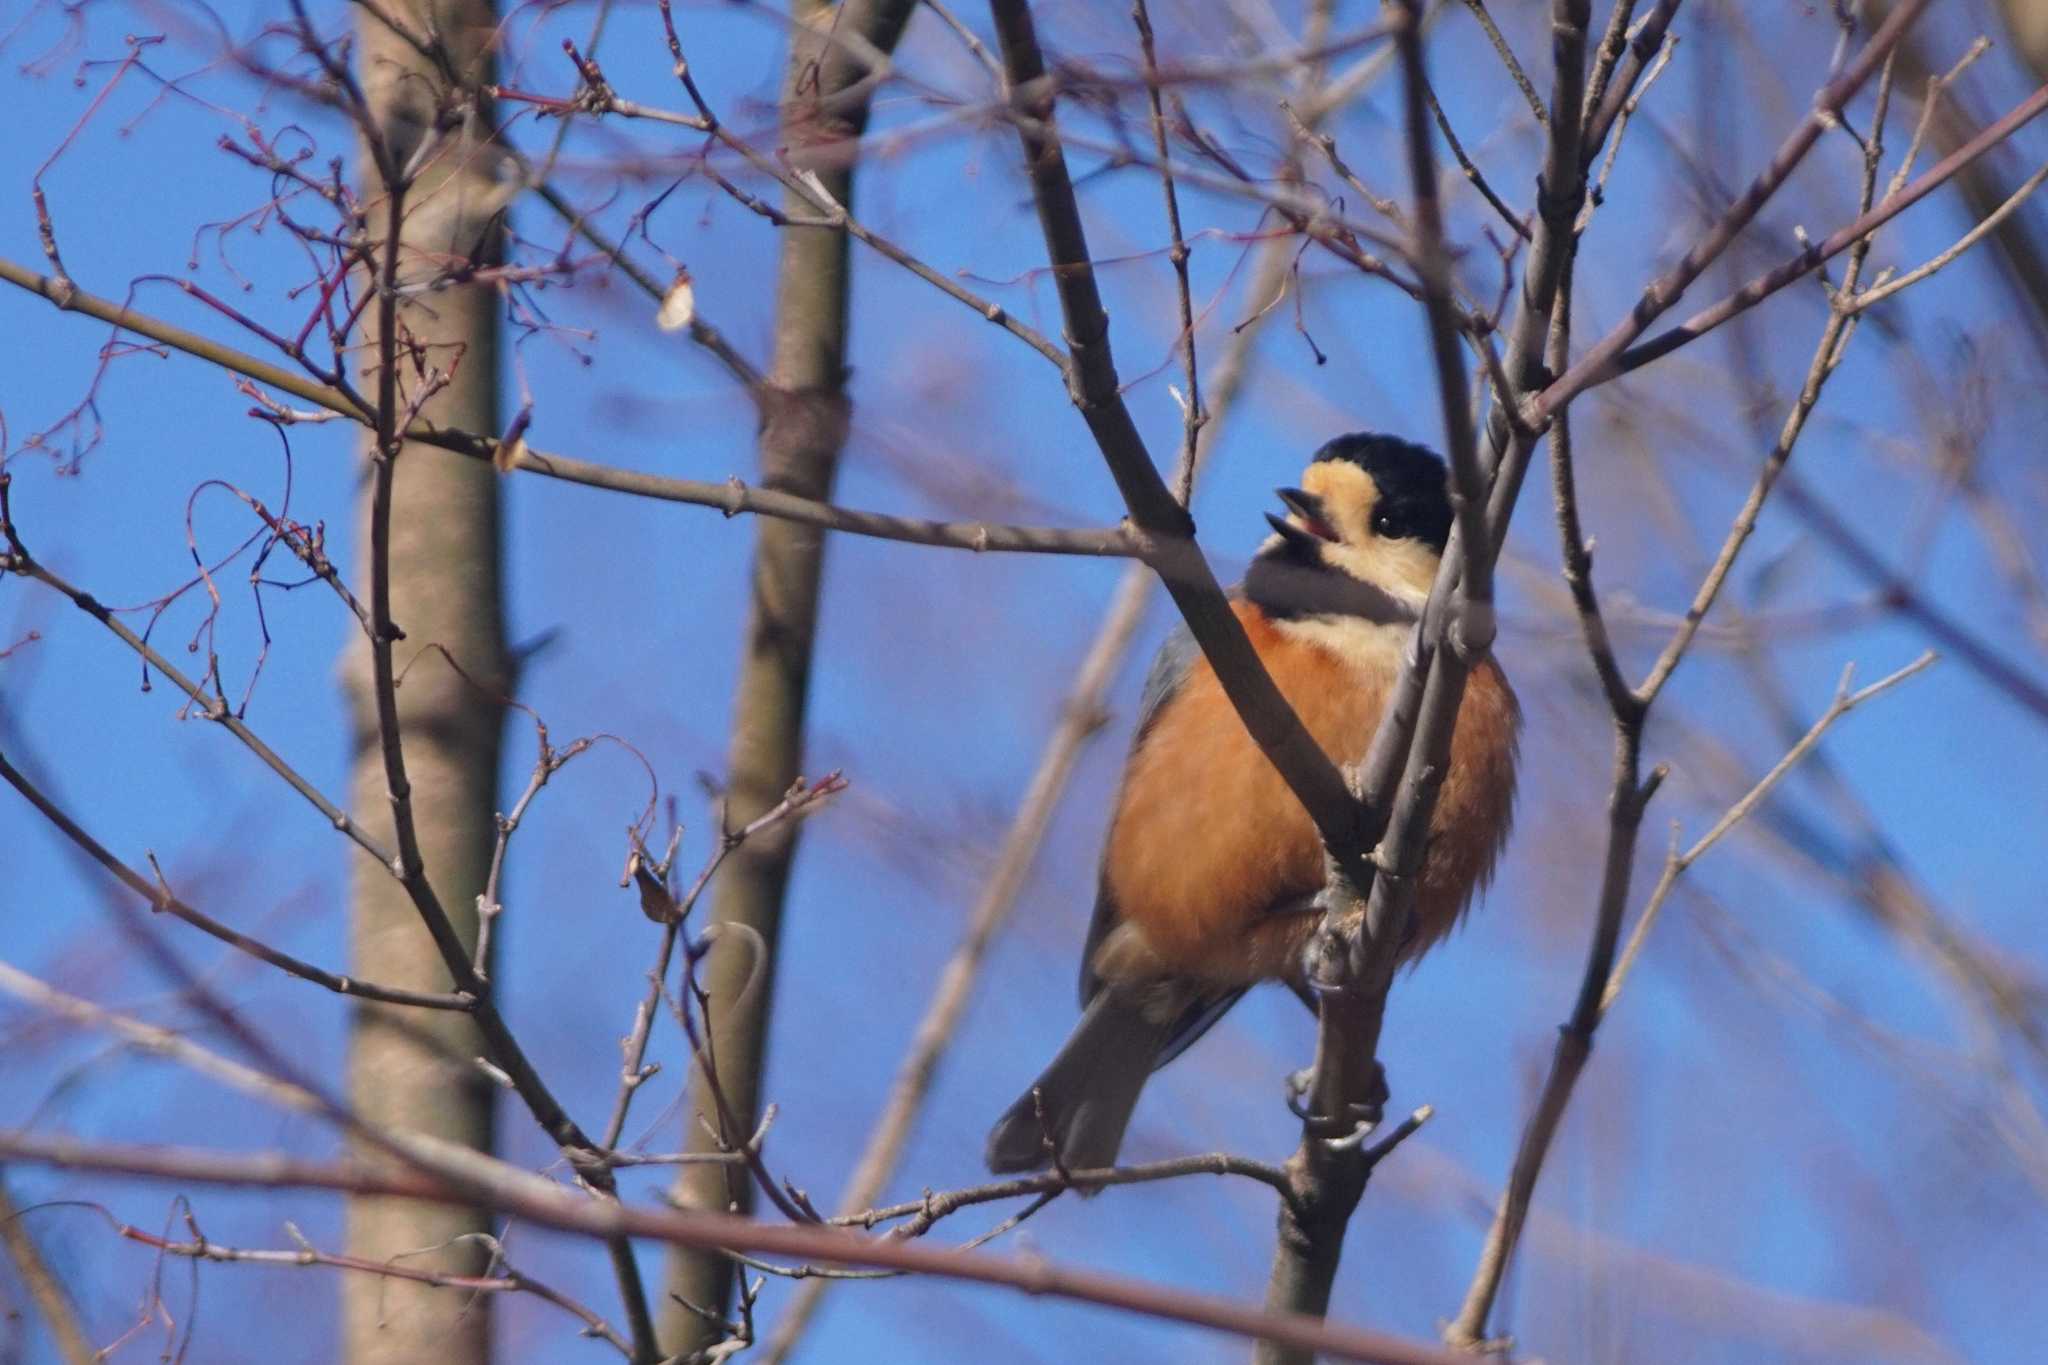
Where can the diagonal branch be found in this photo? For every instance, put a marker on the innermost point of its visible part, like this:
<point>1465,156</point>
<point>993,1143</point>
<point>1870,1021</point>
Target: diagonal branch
<point>161,900</point>
<point>1092,384</point>
<point>1677,863</point>
<point>731,497</point>
<point>1606,359</point>
<point>1606,363</point>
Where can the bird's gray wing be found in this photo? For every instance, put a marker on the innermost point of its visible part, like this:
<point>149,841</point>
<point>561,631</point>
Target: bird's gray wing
<point>1169,670</point>
<point>1170,667</point>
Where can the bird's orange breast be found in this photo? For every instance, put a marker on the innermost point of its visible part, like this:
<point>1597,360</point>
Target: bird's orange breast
<point>1207,840</point>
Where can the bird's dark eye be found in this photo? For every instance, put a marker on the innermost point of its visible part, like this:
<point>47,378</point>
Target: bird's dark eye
<point>1385,524</point>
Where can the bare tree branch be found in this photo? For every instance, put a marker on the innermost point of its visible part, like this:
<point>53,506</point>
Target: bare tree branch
<point>1095,391</point>
<point>506,1279</point>
<point>509,1056</point>
<point>480,1180</point>
<point>731,497</point>
<point>160,899</point>
<point>1676,864</point>
<point>1192,415</point>
<point>1617,352</point>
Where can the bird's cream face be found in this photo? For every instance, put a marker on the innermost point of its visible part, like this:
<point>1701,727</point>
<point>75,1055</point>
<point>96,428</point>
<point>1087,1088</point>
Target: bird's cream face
<point>1337,517</point>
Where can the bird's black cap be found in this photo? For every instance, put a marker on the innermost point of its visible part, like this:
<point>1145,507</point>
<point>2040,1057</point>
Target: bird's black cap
<point>1413,482</point>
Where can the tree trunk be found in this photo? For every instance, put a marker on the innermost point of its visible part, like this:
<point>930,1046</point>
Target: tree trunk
<point>414,1069</point>
<point>804,416</point>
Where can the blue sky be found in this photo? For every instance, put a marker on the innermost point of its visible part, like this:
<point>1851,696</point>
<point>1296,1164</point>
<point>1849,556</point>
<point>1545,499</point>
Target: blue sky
<point>1786,1118</point>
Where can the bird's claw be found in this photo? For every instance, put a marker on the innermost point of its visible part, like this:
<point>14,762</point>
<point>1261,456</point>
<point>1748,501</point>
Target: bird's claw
<point>1326,958</point>
<point>1360,1116</point>
<point>1298,1083</point>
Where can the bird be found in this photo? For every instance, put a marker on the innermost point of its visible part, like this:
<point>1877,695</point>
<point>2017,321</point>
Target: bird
<point>1211,866</point>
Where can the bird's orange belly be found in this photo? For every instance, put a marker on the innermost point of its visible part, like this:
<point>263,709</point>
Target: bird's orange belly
<point>1207,837</point>
<point>1208,841</point>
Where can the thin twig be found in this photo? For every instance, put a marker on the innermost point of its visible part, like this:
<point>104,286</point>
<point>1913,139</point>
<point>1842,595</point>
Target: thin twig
<point>924,1212</point>
<point>1610,102</point>
<point>702,332</point>
<point>801,798</point>
<point>211,707</point>
<point>1192,413</point>
<point>547,762</point>
<point>507,1280</point>
<point>1677,862</point>
<point>1508,60</point>
<point>1984,227</point>
<point>1478,181</point>
<point>160,899</point>
<point>1327,144</point>
<point>973,44</point>
<point>1930,104</point>
<point>1628,111</point>
<point>1577,550</point>
<point>1619,352</point>
<point>1827,355</point>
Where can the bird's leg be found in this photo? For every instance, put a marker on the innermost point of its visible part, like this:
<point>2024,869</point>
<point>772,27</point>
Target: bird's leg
<point>1324,971</point>
<point>1325,966</point>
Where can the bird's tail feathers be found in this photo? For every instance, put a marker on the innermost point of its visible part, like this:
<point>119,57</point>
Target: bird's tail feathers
<point>1084,1099</point>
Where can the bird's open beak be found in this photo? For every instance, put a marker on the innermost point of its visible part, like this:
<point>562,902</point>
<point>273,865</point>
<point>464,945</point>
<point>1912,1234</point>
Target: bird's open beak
<point>1308,509</point>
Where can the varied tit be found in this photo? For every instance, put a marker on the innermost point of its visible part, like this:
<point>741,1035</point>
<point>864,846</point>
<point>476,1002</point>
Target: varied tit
<point>1211,865</point>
